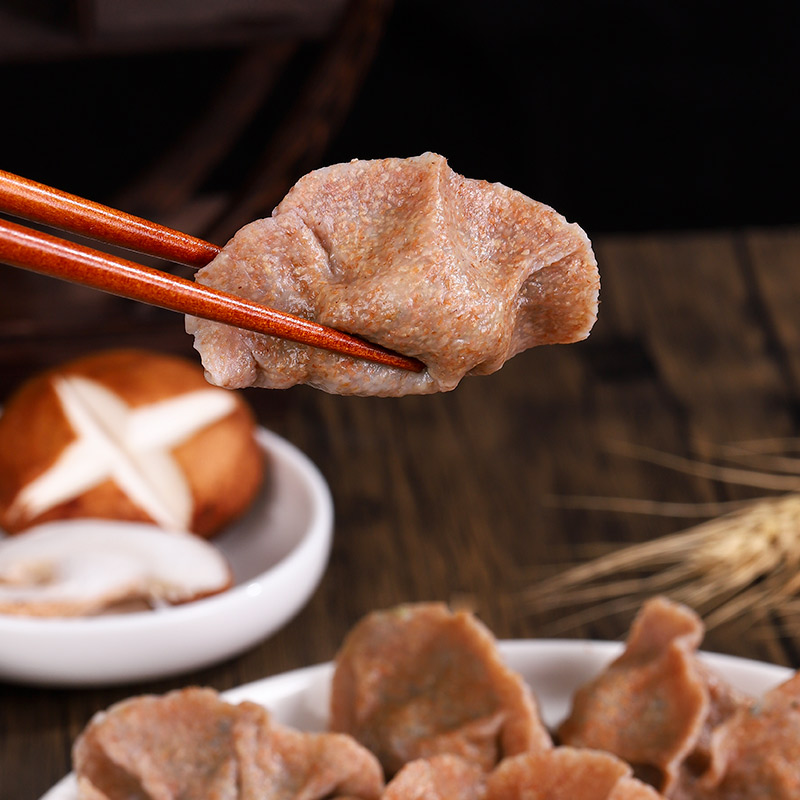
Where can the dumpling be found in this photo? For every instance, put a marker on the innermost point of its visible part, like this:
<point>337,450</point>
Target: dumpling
<point>190,743</point>
<point>420,680</point>
<point>566,773</point>
<point>563,773</point>
<point>459,273</point>
<point>442,777</point>
<point>756,752</point>
<point>655,705</point>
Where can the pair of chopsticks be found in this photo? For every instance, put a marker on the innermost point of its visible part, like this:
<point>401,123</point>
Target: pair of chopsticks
<point>49,255</point>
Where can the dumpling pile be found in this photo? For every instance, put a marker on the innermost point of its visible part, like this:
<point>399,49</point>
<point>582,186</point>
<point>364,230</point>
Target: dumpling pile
<point>423,708</point>
<point>661,709</point>
<point>420,698</point>
<point>425,689</point>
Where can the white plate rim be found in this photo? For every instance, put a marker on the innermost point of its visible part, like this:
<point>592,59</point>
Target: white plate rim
<point>542,662</point>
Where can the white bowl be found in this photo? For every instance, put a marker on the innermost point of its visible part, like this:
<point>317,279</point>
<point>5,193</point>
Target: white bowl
<point>278,553</point>
<point>553,669</point>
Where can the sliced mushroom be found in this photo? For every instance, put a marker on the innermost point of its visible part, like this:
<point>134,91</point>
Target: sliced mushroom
<point>82,567</point>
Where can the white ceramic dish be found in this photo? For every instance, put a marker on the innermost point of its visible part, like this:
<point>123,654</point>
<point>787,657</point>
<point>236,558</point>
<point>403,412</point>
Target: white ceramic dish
<point>553,669</point>
<point>278,553</point>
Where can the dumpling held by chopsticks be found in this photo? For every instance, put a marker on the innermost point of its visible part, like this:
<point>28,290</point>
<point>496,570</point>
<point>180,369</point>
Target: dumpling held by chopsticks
<point>459,273</point>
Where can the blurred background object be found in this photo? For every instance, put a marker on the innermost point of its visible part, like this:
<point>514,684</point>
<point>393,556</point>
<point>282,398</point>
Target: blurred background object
<point>198,115</point>
<point>157,106</point>
<point>625,116</point>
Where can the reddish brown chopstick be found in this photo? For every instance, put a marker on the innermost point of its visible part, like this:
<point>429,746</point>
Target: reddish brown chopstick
<point>58,258</point>
<point>35,201</point>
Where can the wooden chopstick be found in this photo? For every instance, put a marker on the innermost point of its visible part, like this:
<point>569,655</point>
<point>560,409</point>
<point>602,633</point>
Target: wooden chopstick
<point>49,255</point>
<point>37,202</point>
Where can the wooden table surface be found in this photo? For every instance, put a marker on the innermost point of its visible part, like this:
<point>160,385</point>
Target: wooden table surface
<point>451,497</point>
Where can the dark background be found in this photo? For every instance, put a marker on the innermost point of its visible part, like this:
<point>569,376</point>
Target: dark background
<point>625,115</point>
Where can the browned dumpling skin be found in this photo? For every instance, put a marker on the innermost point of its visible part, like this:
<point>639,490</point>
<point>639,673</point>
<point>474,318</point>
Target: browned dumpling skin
<point>566,773</point>
<point>756,752</point>
<point>655,705</point>
<point>191,744</point>
<point>419,680</point>
<point>444,777</point>
<point>460,273</point>
<point>724,701</point>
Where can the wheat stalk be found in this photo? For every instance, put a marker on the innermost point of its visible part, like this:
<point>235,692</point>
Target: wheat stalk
<point>743,561</point>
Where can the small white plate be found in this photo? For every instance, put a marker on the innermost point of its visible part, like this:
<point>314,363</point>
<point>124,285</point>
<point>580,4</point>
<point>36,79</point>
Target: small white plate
<point>278,553</point>
<point>554,669</point>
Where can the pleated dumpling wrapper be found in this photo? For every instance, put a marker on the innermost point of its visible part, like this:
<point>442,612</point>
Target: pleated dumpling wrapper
<point>755,753</point>
<point>440,777</point>
<point>421,680</point>
<point>566,773</point>
<point>462,274</point>
<point>192,744</point>
<point>561,773</point>
<point>657,704</point>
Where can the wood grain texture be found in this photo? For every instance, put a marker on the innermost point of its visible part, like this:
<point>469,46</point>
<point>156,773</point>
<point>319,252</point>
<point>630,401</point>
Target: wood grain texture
<point>456,497</point>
